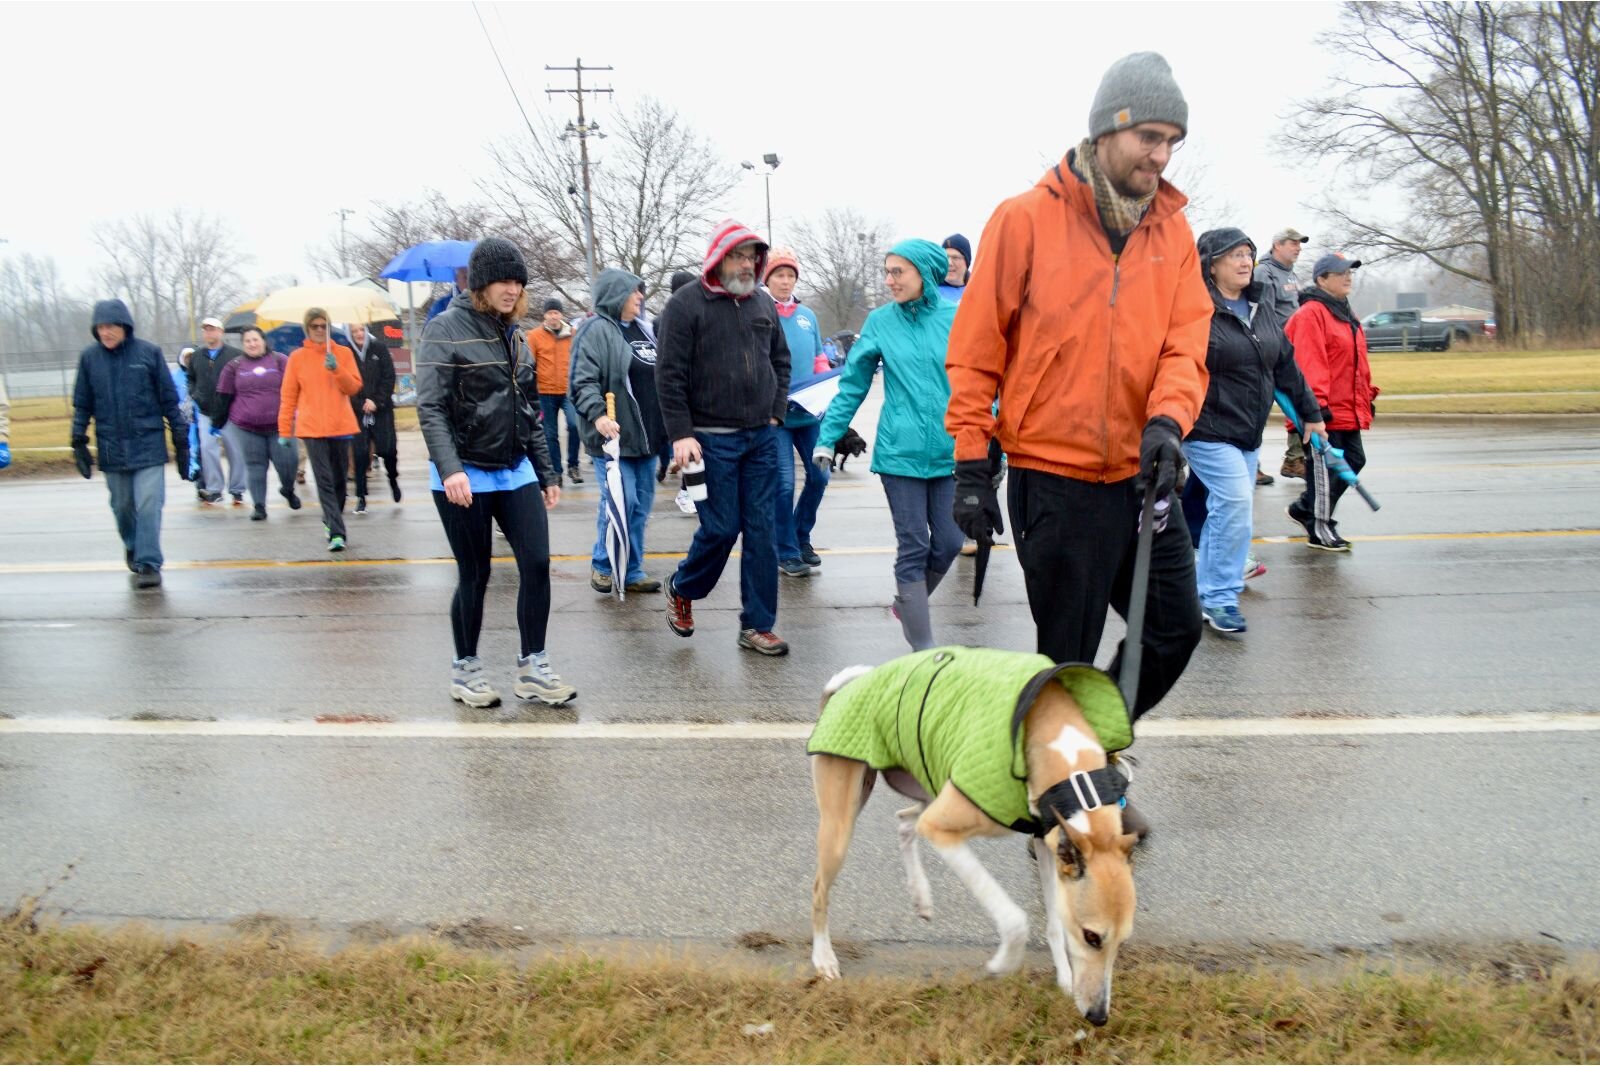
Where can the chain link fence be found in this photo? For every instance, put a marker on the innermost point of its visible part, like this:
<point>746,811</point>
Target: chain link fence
<point>52,372</point>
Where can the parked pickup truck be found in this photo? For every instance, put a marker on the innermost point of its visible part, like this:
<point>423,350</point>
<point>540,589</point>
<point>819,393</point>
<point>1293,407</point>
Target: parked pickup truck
<point>1408,331</point>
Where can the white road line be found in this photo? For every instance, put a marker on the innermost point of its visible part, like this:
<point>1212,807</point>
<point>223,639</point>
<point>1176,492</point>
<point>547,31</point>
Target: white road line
<point>1553,722</point>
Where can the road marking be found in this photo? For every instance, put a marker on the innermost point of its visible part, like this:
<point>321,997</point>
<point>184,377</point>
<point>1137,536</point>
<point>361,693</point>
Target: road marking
<point>348,562</point>
<point>1540,722</point>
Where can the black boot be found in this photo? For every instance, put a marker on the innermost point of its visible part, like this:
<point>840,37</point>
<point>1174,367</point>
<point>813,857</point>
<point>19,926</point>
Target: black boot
<point>394,487</point>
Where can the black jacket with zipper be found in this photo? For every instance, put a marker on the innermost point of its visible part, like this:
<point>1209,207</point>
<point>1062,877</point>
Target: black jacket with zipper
<point>721,362</point>
<point>1247,363</point>
<point>204,373</point>
<point>477,394</point>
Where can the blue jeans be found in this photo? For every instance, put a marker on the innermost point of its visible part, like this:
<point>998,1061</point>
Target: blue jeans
<point>549,406</point>
<point>639,495</point>
<point>926,535</point>
<point>1229,475</point>
<point>137,497</point>
<point>795,520</point>
<point>740,481</point>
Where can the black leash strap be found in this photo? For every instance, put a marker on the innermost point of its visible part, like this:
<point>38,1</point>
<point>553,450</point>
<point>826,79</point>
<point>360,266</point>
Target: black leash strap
<point>1133,645</point>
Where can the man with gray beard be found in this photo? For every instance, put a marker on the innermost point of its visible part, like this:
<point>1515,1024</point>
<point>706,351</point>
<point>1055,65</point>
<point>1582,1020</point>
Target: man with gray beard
<point>722,376</point>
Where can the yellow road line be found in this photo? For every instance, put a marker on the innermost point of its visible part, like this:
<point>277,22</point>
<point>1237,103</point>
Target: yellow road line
<point>301,564</point>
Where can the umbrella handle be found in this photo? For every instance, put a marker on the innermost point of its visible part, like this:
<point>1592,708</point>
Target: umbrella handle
<point>611,406</point>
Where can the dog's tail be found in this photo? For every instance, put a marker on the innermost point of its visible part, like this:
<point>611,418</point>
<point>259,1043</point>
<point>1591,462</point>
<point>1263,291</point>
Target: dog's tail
<point>841,679</point>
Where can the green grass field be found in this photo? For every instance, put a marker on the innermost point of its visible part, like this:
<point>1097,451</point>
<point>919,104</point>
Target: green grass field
<point>81,994</point>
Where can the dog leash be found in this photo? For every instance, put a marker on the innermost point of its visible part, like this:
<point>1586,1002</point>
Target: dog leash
<point>1133,646</point>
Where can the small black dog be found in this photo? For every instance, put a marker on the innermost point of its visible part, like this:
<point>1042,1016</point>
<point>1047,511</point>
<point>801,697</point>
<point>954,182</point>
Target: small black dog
<point>849,445</point>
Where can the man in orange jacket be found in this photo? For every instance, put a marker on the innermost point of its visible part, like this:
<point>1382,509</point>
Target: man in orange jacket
<point>1088,318</point>
<point>314,405</point>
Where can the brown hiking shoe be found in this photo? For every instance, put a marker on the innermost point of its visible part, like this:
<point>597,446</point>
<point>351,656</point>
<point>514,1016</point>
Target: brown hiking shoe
<point>764,642</point>
<point>1262,477</point>
<point>680,612</point>
<point>1293,468</point>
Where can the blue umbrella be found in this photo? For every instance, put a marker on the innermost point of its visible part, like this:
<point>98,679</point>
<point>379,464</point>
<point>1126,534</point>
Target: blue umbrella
<point>430,261</point>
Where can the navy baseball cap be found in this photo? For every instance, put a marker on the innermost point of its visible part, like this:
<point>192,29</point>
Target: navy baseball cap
<point>1333,263</point>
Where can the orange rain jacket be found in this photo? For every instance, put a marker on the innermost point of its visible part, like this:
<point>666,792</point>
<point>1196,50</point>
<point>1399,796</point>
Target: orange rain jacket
<point>552,355</point>
<point>1081,346</point>
<point>315,401</point>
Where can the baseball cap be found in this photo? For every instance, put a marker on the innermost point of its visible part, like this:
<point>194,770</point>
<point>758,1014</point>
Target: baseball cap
<point>211,320</point>
<point>1333,263</point>
<point>1290,234</point>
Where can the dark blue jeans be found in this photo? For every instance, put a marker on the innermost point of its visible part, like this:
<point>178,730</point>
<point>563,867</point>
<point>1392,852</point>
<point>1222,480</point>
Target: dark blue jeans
<point>549,407</point>
<point>796,519</point>
<point>741,477</point>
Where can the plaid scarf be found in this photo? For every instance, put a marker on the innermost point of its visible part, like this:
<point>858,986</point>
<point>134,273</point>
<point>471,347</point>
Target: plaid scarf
<point>1118,213</point>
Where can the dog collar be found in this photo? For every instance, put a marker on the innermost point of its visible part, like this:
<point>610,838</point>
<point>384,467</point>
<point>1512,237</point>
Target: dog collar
<point>1086,790</point>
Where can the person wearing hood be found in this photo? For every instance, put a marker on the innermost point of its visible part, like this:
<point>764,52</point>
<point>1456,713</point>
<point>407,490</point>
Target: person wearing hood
<point>613,354</point>
<point>373,407</point>
<point>1089,322</point>
<point>798,434</point>
<point>314,406</point>
<point>124,388</point>
<point>489,465</point>
<point>1331,348</point>
<point>552,354</point>
<point>722,376</point>
<point>913,455</point>
<point>958,253</point>
<point>1247,359</point>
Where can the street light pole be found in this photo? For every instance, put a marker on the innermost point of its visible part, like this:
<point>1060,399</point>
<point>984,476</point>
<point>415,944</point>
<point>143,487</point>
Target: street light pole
<point>344,261</point>
<point>771,160</point>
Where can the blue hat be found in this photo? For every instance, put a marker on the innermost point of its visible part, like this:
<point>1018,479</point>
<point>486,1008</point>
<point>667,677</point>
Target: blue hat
<point>1333,263</point>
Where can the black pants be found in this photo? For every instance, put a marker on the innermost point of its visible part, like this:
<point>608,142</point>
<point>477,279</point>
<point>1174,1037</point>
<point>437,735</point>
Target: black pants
<point>1076,542</point>
<point>1322,481</point>
<point>329,457</point>
<point>372,440</point>
<point>470,531</point>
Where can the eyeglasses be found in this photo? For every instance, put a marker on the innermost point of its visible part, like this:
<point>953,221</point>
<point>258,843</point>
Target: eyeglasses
<point>1241,255</point>
<point>895,272</point>
<point>744,257</point>
<point>317,326</point>
<point>1150,140</point>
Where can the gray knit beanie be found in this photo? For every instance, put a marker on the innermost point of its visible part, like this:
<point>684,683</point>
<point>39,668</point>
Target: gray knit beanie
<point>1138,88</point>
<point>495,259</point>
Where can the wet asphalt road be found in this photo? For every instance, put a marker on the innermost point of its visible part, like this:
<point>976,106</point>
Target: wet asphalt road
<point>1472,592</point>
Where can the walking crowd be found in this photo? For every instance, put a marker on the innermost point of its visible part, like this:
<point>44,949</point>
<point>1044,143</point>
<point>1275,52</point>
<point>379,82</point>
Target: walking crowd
<point>1090,349</point>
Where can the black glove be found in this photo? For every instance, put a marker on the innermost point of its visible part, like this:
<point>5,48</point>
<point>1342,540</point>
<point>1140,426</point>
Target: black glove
<point>180,451</point>
<point>80,454</point>
<point>977,506</point>
<point>1160,458</point>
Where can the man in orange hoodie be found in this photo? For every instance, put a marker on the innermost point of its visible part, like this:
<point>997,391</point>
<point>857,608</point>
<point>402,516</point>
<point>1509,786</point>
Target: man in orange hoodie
<point>552,355</point>
<point>314,405</point>
<point>1088,318</point>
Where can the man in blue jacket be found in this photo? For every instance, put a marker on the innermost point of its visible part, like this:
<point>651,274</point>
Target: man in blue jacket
<point>123,385</point>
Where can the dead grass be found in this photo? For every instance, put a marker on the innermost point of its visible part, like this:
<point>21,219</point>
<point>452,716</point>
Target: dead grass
<point>1485,371</point>
<point>77,994</point>
<point>1506,404</point>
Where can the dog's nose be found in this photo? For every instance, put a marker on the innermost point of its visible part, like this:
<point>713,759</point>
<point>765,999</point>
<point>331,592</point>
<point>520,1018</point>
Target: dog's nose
<point>1097,1016</point>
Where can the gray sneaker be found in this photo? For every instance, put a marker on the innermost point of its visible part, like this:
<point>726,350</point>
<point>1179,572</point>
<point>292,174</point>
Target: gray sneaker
<point>536,681</point>
<point>469,686</point>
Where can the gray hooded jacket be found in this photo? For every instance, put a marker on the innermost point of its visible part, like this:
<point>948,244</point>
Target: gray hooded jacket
<point>1280,289</point>
<point>601,358</point>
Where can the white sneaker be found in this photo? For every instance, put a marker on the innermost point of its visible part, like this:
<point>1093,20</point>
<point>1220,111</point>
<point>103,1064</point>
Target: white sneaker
<point>685,504</point>
<point>1253,567</point>
<point>469,686</point>
<point>536,681</point>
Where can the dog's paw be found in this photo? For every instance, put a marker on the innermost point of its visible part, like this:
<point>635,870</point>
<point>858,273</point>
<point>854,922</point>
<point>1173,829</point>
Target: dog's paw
<point>1013,944</point>
<point>826,962</point>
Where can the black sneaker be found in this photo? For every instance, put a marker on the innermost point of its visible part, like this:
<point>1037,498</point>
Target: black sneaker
<point>294,500</point>
<point>809,556</point>
<point>794,568</point>
<point>361,505</point>
<point>147,577</point>
<point>259,514</point>
<point>1331,543</point>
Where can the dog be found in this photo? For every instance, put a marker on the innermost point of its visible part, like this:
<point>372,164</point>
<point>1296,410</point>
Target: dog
<point>851,444</point>
<point>1072,793</point>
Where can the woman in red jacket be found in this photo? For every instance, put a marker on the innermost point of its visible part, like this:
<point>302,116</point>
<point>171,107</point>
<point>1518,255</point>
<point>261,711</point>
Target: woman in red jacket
<point>1331,349</point>
<point>315,406</point>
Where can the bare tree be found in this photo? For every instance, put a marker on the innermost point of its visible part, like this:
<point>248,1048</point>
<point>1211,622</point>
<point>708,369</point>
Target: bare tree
<point>390,228</point>
<point>841,255</point>
<point>37,313</point>
<point>172,270</point>
<point>656,191</point>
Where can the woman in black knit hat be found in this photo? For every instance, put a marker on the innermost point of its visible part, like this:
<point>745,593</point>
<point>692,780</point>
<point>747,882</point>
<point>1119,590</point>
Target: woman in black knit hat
<point>489,464</point>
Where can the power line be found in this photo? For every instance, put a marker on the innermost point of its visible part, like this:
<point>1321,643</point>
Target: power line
<point>583,131</point>
<point>486,36</point>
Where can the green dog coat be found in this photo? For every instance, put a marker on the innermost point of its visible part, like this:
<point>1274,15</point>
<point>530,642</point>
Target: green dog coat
<point>955,714</point>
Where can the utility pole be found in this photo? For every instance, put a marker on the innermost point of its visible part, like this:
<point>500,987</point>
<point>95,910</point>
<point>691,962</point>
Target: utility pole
<point>583,131</point>
<point>344,262</point>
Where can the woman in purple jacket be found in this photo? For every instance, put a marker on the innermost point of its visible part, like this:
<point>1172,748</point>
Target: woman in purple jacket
<point>248,392</point>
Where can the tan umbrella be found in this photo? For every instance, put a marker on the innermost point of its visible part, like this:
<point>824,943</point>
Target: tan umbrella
<point>343,303</point>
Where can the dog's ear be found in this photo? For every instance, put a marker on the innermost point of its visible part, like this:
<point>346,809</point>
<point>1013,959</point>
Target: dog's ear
<point>1068,849</point>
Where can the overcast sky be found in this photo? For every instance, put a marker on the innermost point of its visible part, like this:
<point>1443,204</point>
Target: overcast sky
<point>923,114</point>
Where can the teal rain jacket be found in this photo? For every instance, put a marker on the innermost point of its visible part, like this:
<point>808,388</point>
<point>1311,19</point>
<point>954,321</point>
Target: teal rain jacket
<point>909,340</point>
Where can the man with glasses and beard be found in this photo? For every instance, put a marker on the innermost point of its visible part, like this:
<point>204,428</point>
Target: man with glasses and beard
<point>722,376</point>
<point>1090,321</point>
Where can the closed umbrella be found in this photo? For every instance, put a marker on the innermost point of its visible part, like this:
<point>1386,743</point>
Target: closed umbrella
<point>616,505</point>
<point>430,261</point>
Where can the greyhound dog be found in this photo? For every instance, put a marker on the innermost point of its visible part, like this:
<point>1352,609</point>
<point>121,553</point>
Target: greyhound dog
<point>1082,851</point>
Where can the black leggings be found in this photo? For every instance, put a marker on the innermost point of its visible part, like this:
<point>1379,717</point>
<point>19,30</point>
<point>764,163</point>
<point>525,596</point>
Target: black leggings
<point>470,531</point>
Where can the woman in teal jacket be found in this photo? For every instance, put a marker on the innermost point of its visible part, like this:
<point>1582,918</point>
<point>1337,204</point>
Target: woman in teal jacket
<point>912,455</point>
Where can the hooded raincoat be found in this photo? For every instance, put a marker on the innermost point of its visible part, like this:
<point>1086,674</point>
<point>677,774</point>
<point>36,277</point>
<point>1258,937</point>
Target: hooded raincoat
<point>909,340</point>
<point>601,359</point>
<point>128,392</point>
